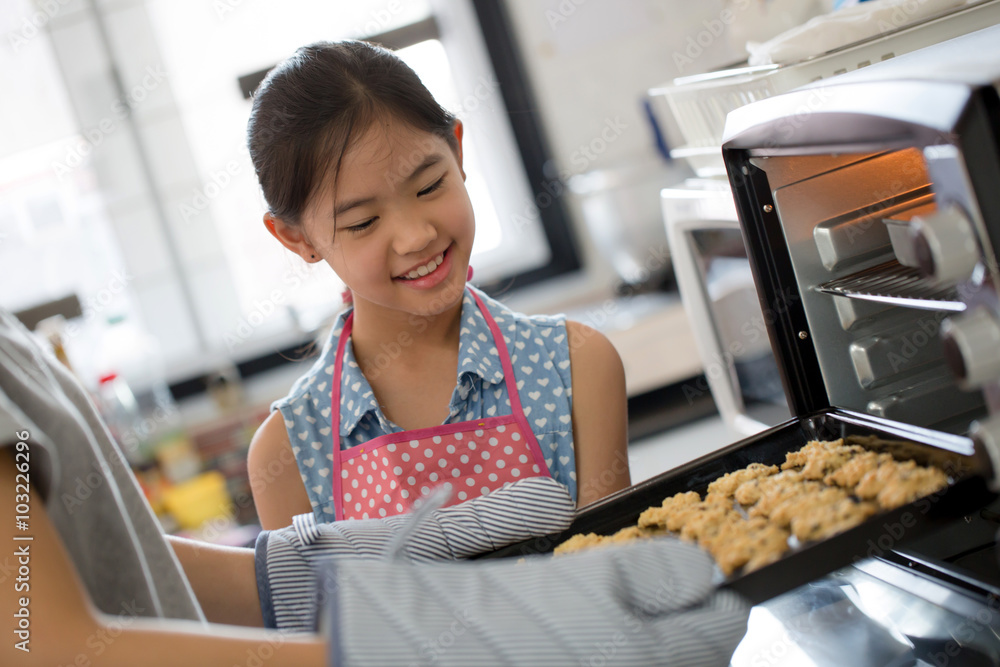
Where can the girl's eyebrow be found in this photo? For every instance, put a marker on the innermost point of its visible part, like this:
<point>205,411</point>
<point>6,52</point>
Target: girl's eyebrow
<point>428,162</point>
<point>346,206</point>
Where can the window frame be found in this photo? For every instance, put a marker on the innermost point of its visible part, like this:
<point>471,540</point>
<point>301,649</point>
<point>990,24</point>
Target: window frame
<point>533,146</point>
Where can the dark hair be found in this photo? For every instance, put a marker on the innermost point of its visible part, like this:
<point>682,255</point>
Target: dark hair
<point>309,108</point>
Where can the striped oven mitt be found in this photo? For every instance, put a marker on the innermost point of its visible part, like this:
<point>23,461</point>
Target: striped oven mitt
<point>644,603</point>
<point>288,560</point>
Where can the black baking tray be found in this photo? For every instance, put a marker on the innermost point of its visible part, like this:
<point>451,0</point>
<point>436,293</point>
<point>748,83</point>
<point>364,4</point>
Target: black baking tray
<point>968,467</point>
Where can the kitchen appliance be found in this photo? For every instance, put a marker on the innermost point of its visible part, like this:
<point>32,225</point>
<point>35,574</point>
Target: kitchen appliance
<point>693,108</point>
<point>701,220</point>
<point>716,286</point>
<point>870,210</point>
<point>870,214</point>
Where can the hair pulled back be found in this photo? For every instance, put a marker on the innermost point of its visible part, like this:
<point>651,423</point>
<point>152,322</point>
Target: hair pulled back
<point>310,107</point>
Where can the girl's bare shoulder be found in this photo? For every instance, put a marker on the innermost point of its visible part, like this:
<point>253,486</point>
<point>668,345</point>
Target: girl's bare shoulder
<point>590,347</point>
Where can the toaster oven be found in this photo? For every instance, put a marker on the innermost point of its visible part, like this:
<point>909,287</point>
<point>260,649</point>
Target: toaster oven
<point>870,210</point>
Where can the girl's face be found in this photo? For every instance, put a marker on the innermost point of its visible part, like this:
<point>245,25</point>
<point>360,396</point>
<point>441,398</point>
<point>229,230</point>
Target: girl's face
<point>399,228</point>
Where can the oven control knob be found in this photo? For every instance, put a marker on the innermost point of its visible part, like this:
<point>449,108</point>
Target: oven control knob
<point>945,246</point>
<point>971,344</point>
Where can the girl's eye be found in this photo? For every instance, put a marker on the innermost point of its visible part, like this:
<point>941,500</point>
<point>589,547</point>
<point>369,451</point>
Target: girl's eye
<point>431,188</point>
<point>355,229</point>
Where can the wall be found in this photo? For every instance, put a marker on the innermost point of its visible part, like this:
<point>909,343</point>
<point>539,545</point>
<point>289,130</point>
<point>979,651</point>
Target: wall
<point>590,64</point>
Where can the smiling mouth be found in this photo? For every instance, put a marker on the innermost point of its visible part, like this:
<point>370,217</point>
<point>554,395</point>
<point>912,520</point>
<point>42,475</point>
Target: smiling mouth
<point>426,269</point>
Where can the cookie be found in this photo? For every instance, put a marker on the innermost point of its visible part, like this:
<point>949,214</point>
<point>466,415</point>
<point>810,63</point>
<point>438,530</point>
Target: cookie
<point>707,521</point>
<point>681,516</point>
<point>816,500</point>
<point>739,542</point>
<point>657,516</point>
<point>822,463</point>
<point>818,459</point>
<point>782,493</point>
<point>822,521</point>
<point>800,457</point>
<point>727,484</point>
<point>750,492</point>
<point>910,485</point>
<point>851,473</point>
<point>580,542</point>
<point>873,481</point>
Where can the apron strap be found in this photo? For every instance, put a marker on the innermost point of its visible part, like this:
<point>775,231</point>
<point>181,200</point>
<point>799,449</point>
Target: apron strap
<point>335,380</point>
<point>508,367</point>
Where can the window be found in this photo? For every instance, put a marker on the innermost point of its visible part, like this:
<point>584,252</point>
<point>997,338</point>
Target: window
<point>55,235</point>
<point>170,198</point>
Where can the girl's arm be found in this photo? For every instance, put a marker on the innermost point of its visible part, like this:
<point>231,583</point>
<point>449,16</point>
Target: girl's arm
<point>65,628</point>
<point>223,579</point>
<point>600,414</point>
<point>278,492</point>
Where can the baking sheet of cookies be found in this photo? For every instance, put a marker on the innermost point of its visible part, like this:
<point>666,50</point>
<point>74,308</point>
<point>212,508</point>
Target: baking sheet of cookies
<point>765,541</point>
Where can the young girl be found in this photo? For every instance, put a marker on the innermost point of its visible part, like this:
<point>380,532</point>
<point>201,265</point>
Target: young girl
<point>426,380</point>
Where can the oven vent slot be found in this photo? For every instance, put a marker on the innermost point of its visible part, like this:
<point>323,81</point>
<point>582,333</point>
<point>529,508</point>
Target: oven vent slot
<point>895,284</point>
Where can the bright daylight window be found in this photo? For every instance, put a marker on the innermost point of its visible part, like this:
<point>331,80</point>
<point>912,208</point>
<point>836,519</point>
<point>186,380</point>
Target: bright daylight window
<point>229,290</point>
<point>54,234</point>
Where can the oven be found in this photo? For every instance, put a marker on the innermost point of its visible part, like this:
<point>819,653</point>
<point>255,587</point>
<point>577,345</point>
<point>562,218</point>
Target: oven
<point>869,206</point>
<point>870,209</point>
<point>709,262</point>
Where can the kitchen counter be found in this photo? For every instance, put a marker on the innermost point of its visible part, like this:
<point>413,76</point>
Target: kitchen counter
<point>651,333</point>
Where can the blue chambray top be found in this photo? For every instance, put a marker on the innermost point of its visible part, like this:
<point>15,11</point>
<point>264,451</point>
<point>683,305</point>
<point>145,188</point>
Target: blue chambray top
<point>539,352</point>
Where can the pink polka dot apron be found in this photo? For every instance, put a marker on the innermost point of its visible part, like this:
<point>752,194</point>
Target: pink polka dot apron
<point>385,475</point>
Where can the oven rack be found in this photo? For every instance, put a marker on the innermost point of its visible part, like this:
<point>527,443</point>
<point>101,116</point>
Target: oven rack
<point>898,285</point>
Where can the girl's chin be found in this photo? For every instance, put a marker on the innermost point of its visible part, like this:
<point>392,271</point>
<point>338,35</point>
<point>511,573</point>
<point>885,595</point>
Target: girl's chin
<point>417,302</point>
<point>444,299</point>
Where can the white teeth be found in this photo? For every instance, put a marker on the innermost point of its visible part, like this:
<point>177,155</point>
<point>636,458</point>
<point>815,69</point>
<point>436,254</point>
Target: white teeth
<point>426,268</point>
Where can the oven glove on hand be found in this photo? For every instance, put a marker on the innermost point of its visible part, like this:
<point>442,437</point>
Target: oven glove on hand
<point>287,559</point>
<point>646,603</point>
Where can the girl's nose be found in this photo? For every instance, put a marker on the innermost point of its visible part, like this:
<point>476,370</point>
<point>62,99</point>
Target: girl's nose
<point>413,235</point>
